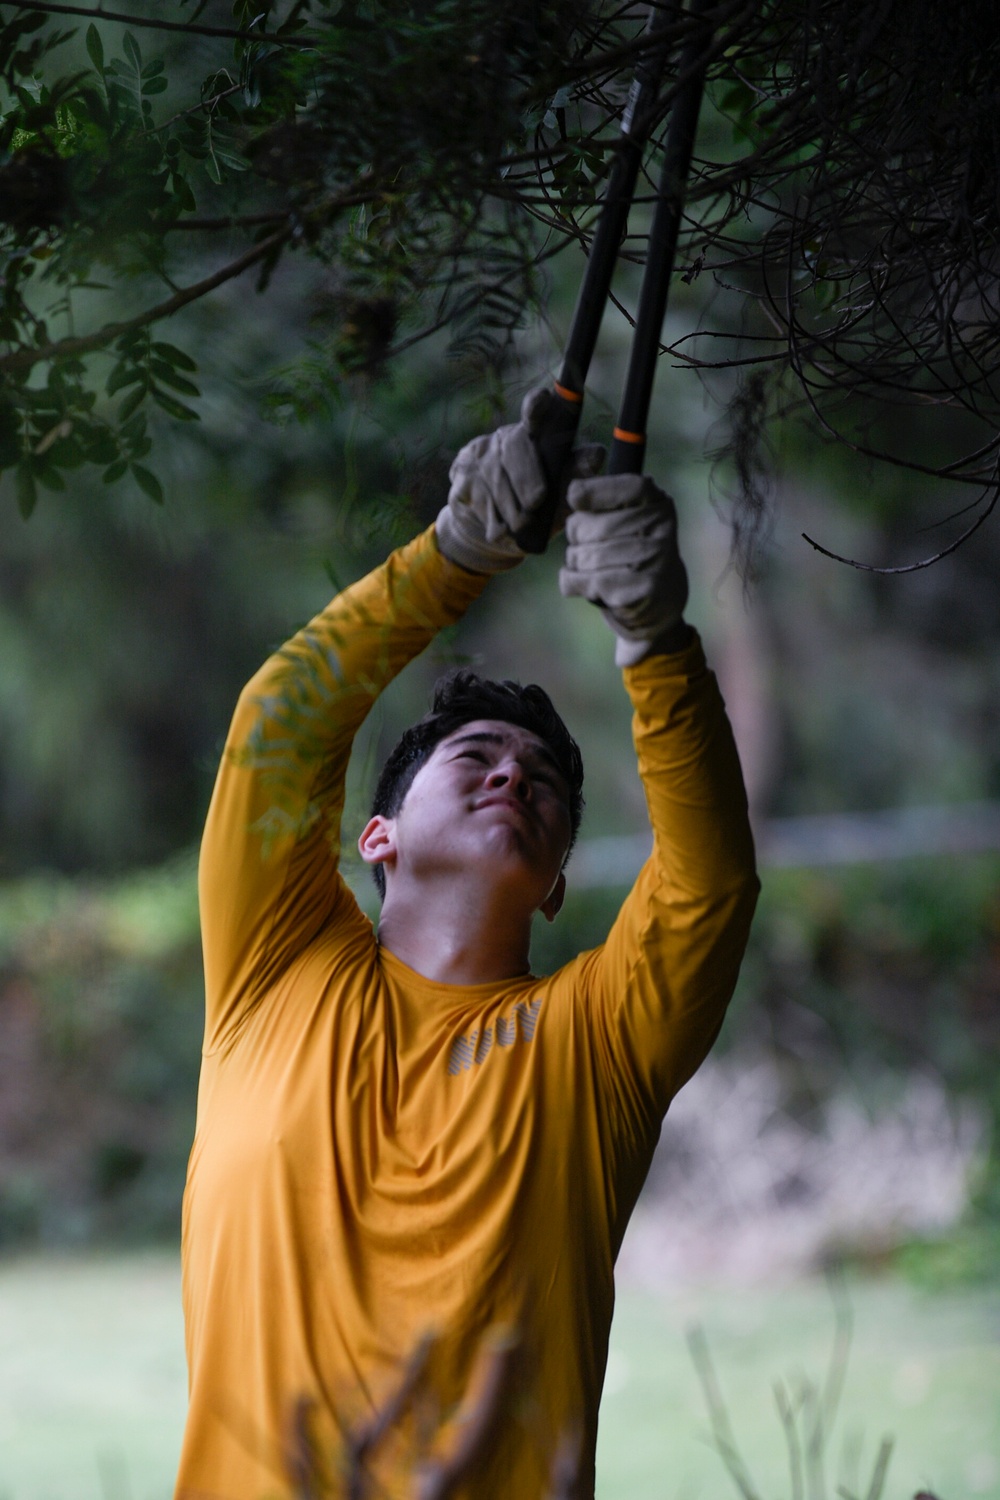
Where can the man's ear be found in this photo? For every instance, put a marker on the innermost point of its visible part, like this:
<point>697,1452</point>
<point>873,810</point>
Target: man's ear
<point>377,844</point>
<point>554,900</point>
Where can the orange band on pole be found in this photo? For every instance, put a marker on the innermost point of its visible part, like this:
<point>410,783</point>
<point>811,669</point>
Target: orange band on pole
<point>629,437</point>
<point>566,394</point>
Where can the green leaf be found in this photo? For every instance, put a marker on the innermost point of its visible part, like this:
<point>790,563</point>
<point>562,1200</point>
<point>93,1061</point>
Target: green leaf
<point>155,86</point>
<point>215,83</point>
<point>152,68</point>
<point>196,139</point>
<point>173,355</point>
<point>130,47</point>
<point>27,494</point>
<point>231,158</point>
<point>185,198</point>
<point>147,482</point>
<point>68,454</point>
<point>50,476</point>
<point>101,447</point>
<point>132,401</point>
<point>134,339</point>
<point>121,376</point>
<point>169,376</point>
<point>95,47</point>
<point>172,407</point>
<point>114,471</point>
<point>296,20</point>
<point>90,109</point>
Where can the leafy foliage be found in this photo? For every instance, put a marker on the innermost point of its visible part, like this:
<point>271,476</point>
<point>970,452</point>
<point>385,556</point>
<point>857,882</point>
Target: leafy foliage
<point>839,246</point>
<point>376,145</point>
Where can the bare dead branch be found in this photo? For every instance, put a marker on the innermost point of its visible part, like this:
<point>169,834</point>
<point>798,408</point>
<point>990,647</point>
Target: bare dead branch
<point>476,1420</point>
<point>157,23</point>
<point>564,1480</point>
<point>22,360</point>
<point>722,1432</point>
<point>925,562</point>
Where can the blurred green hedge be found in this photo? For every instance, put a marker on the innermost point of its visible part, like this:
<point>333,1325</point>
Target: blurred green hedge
<point>100,1023</point>
<point>893,968</point>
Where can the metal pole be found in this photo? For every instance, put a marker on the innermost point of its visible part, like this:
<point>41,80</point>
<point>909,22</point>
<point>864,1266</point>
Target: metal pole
<point>556,443</point>
<point>628,446</point>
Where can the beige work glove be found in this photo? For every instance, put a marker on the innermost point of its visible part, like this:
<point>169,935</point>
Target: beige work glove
<point>621,554</point>
<point>496,483</point>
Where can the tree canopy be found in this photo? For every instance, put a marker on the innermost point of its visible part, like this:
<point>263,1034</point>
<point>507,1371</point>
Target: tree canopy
<point>430,156</point>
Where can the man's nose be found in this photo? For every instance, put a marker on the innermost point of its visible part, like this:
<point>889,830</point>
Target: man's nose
<point>511,773</point>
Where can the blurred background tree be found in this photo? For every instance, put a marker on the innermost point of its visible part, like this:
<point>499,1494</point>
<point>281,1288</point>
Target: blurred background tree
<point>413,189</point>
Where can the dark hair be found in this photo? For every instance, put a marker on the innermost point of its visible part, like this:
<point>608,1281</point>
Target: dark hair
<point>460,697</point>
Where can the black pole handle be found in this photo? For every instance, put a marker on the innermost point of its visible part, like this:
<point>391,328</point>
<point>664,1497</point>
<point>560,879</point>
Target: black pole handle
<point>628,446</point>
<point>555,447</point>
<point>555,443</point>
<point>626,455</point>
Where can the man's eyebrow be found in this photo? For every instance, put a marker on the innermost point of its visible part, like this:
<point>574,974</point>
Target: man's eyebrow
<point>490,737</point>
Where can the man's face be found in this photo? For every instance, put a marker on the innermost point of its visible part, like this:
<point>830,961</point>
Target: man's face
<point>491,800</point>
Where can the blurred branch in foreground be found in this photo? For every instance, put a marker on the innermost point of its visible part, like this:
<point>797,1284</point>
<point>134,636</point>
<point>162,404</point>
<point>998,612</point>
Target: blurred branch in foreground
<point>449,1455</point>
<point>807,1412</point>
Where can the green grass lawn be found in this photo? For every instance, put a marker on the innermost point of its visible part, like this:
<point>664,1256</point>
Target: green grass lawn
<point>92,1384</point>
<point>922,1369</point>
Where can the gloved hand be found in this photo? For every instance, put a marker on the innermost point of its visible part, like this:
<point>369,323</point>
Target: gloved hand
<point>621,554</point>
<point>496,483</point>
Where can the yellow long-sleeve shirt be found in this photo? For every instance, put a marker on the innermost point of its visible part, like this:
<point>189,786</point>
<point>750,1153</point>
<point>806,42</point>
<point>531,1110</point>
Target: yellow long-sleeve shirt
<point>377,1155</point>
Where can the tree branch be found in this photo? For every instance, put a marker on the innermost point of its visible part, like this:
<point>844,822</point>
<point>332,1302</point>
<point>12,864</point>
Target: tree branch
<point>925,562</point>
<point>232,221</point>
<point>22,360</point>
<point>153,23</point>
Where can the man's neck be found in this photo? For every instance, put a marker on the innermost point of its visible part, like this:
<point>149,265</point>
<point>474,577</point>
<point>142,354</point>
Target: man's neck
<point>455,933</point>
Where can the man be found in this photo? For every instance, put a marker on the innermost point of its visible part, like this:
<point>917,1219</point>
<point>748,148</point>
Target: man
<point>406,1141</point>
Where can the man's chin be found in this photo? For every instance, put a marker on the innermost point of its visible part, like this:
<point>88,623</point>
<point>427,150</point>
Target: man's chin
<point>511,858</point>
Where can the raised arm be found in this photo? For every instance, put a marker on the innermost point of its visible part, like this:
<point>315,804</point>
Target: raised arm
<point>268,878</point>
<point>671,961</point>
<point>660,985</point>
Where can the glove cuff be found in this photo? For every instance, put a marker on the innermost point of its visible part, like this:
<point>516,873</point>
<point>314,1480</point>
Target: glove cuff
<point>463,542</point>
<point>677,637</point>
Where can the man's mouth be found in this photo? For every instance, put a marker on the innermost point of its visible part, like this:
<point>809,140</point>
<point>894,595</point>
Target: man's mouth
<point>519,807</point>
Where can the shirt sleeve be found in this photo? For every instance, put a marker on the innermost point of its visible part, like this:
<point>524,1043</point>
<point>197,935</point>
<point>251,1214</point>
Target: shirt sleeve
<point>659,987</point>
<point>268,877</point>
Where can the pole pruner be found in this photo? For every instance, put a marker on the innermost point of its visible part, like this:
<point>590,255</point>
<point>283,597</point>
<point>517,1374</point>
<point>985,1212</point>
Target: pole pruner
<point>628,445</point>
